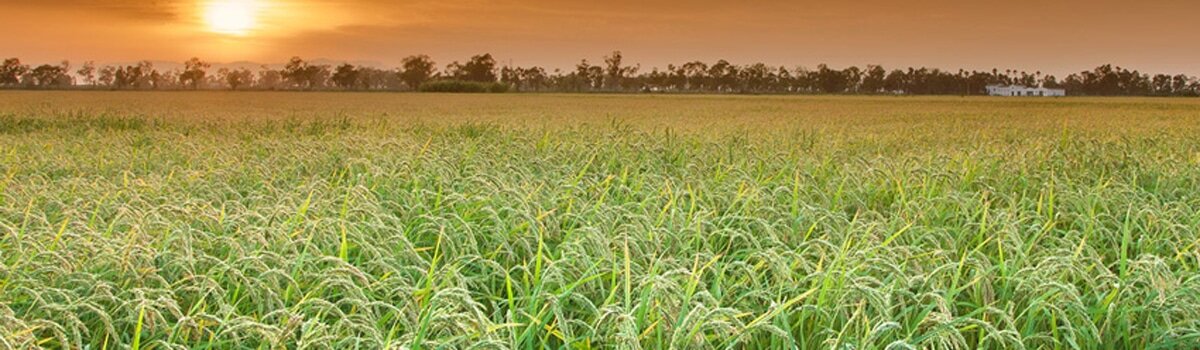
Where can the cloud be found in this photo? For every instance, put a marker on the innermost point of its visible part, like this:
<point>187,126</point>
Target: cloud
<point>147,10</point>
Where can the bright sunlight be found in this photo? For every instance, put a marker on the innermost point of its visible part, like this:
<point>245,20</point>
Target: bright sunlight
<point>232,17</point>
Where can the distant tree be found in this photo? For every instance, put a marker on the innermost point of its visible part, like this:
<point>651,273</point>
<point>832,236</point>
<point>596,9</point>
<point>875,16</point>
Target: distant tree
<point>481,68</point>
<point>303,75</point>
<point>236,78</point>
<point>87,73</point>
<point>269,79</point>
<point>895,82</point>
<point>1161,85</point>
<point>1050,82</point>
<point>318,76</point>
<point>723,75</point>
<point>806,80</point>
<point>50,76</point>
<point>11,72</point>
<point>613,75</point>
<point>977,82</point>
<point>586,77</point>
<point>511,76</point>
<point>696,72</point>
<point>371,78</point>
<point>346,76</point>
<point>123,77</point>
<point>755,78</point>
<point>676,78</point>
<point>170,79</point>
<point>148,75</point>
<point>1109,80</point>
<point>830,81</point>
<point>853,78</point>
<point>1182,85</point>
<point>454,71</point>
<point>873,80</point>
<point>65,78</point>
<point>154,81</point>
<point>107,76</point>
<point>535,78</point>
<point>296,72</point>
<point>656,80</point>
<point>193,74</point>
<point>595,77</point>
<point>416,70</point>
<point>139,76</point>
<point>784,80</point>
<point>1026,79</point>
<point>615,72</point>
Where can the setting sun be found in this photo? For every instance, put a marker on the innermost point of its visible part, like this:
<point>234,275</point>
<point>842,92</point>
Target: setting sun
<point>233,17</point>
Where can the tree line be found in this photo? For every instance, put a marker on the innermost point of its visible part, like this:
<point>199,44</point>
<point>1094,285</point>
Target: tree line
<point>611,74</point>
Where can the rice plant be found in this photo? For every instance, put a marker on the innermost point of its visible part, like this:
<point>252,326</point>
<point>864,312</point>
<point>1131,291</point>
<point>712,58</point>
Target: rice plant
<point>335,221</point>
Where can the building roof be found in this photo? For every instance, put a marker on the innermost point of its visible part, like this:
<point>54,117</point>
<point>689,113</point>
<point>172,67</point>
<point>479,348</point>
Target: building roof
<point>1020,87</point>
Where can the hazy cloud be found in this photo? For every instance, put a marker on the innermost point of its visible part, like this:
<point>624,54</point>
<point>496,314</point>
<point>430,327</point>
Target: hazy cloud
<point>148,10</point>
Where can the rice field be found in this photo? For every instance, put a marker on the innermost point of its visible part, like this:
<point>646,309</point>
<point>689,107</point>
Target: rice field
<point>209,220</point>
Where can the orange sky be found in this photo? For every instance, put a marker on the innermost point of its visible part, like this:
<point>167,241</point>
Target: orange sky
<point>1054,36</point>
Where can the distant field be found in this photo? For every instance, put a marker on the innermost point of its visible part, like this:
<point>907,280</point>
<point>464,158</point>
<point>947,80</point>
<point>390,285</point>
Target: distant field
<point>337,220</point>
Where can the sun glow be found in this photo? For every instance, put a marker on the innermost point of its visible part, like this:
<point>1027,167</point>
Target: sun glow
<point>231,17</point>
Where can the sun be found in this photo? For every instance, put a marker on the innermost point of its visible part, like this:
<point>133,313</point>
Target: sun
<point>231,17</point>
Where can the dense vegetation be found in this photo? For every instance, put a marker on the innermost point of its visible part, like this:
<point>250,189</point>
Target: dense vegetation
<point>614,75</point>
<point>462,86</point>
<point>271,220</point>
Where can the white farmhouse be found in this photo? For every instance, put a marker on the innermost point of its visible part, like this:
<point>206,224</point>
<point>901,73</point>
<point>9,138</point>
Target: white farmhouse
<point>1018,90</point>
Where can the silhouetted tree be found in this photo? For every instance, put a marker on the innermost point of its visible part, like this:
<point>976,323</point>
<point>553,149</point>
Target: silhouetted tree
<point>236,78</point>
<point>371,78</point>
<point>416,70</point>
<point>346,76</point>
<point>170,80</point>
<point>481,68</point>
<point>723,75</point>
<point>830,81</point>
<point>534,78</point>
<point>11,72</point>
<point>852,77</point>
<point>511,76</point>
<point>139,76</point>
<point>696,73</point>
<point>193,73</point>
<point>615,72</point>
<point>269,79</point>
<point>50,76</point>
<point>303,75</point>
<point>895,81</point>
<point>614,75</point>
<point>87,73</point>
<point>873,80</point>
<point>107,76</point>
